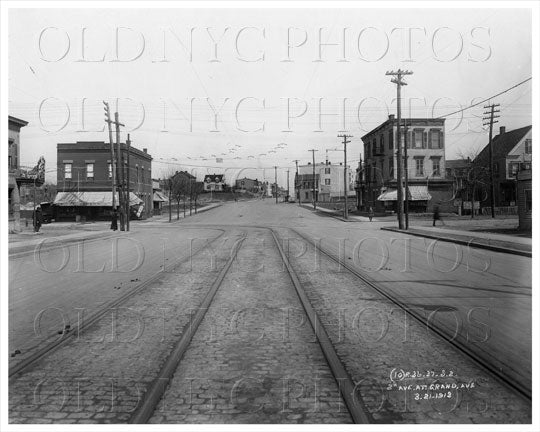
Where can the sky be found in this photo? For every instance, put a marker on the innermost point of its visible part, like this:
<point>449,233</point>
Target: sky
<point>258,88</point>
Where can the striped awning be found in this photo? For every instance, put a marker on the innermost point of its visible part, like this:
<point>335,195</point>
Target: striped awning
<point>91,199</point>
<point>416,193</point>
<point>159,197</point>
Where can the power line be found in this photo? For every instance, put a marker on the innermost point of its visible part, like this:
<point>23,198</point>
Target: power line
<point>487,99</point>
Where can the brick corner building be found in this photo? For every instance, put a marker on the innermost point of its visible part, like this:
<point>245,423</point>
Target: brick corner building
<point>84,180</point>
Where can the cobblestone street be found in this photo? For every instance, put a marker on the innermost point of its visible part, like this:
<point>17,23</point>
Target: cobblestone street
<point>255,357</point>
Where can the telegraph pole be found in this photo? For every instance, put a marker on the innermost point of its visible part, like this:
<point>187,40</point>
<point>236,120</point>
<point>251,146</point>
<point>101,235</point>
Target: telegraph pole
<point>398,80</point>
<point>406,130</point>
<point>288,193</point>
<point>489,118</point>
<point>120,173</point>
<point>128,200</point>
<point>108,121</point>
<point>275,182</point>
<point>314,200</point>
<point>297,183</point>
<point>345,188</point>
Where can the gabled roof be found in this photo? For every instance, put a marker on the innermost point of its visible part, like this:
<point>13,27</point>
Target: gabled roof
<point>209,178</point>
<point>456,163</point>
<point>503,144</point>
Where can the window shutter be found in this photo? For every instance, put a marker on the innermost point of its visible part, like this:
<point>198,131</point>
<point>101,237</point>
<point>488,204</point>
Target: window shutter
<point>424,139</point>
<point>441,140</point>
<point>430,133</point>
<point>410,137</point>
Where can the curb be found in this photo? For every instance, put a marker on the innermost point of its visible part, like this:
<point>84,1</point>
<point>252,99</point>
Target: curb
<point>471,242</point>
<point>56,242</point>
<point>332,214</point>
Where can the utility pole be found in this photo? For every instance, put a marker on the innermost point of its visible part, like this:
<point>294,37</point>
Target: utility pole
<point>288,191</point>
<point>406,131</point>
<point>108,121</point>
<point>489,118</point>
<point>314,199</point>
<point>399,82</point>
<point>128,146</point>
<point>275,182</point>
<point>297,183</point>
<point>120,173</point>
<point>345,182</point>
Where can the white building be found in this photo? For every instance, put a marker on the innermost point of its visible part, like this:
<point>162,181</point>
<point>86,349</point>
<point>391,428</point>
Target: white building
<point>329,182</point>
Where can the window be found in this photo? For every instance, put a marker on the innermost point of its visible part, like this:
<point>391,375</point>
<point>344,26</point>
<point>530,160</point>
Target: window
<point>513,169</point>
<point>90,171</point>
<point>327,182</point>
<point>67,171</point>
<point>419,167</point>
<point>137,173</point>
<point>391,167</point>
<point>327,170</point>
<point>381,145</point>
<point>109,169</point>
<point>528,146</point>
<point>528,200</point>
<point>390,139</point>
<point>417,138</point>
<point>436,167</point>
<point>307,195</point>
<point>435,139</point>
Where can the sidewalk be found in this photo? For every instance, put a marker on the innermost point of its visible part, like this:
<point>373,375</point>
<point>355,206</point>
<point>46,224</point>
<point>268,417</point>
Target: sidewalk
<point>338,214</point>
<point>54,234</point>
<point>24,246</point>
<point>495,242</point>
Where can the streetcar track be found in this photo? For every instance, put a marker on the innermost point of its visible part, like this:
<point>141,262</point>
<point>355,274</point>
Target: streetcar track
<point>357,409</point>
<point>354,403</point>
<point>492,370</point>
<point>154,394</point>
<point>21,366</point>
<point>346,385</point>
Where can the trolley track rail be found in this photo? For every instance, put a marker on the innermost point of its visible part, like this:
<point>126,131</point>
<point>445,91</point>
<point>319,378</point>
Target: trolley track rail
<point>79,328</point>
<point>356,407</point>
<point>519,388</point>
<point>157,388</point>
<point>354,403</point>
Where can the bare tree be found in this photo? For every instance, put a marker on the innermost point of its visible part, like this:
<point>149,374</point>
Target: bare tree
<point>473,179</point>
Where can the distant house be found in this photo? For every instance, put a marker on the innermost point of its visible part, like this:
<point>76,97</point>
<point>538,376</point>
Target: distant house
<point>512,152</point>
<point>246,184</point>
<point>214,182</point>
<point>158,197</point>
<point>328,182</point>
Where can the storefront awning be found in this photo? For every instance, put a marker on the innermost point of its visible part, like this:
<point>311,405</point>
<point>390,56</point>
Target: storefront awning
<point>416,193</point>
<point>91,199</point>
<point>158,196</point>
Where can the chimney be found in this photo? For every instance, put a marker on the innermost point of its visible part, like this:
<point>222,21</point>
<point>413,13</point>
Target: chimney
<point>145,150</point>
<point>309,163</point>
<point>502,130</point>
<point>391,117</point>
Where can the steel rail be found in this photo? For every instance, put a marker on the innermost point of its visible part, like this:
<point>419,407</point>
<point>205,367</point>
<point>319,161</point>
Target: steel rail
<point>157,388</point>
<point>520,389</point>
<point>347,387</point>
<point>18,368</point>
